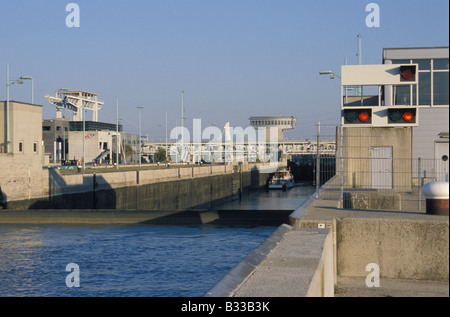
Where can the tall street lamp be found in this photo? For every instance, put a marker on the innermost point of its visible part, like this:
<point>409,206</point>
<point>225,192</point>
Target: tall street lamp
<point>140,134</point>
<point>332,76</point>
<point>10,83</point>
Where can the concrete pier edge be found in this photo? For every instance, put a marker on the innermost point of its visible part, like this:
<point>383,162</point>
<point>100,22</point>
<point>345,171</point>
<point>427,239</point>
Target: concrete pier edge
<point>243,270</point>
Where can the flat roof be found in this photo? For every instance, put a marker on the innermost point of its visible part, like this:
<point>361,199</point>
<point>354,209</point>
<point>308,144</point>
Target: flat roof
<point>431,52</point>
<point>272,117</point>
<point>24,103</point>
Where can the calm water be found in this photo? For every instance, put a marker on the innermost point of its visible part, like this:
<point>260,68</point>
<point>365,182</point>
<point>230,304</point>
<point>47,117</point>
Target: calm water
<point>133,260</point>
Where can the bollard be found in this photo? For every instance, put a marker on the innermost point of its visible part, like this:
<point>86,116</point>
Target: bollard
<point>436,194</point>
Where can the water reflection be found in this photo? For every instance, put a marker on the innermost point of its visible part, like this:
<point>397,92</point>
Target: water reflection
<point>291,199</point>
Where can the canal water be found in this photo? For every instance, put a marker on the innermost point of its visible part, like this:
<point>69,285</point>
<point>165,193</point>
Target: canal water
<point>130,260</point>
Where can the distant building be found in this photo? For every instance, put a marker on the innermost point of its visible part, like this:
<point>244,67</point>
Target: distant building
<point>63,140</point>
<point>55,133</point>
<point>98,143</point>
<point>280,122</point>
<point>21,153</point>
<point>23,128</point>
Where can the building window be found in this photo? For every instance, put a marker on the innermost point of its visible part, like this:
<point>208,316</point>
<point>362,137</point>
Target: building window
<point>20,146</point>
<point>45,128</point>
<point>35,147</point>
<point>433,83</point>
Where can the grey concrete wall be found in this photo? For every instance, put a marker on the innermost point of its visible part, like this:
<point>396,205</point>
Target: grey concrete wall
<point>173,188</point>
<point>403,249</point>
<point>323,281</point>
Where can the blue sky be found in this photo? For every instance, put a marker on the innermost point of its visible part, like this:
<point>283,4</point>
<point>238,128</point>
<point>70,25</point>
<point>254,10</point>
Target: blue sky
<point>232,58</point>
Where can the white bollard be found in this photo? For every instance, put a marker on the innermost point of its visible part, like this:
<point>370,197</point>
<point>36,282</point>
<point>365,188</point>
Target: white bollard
<point>436,194</point>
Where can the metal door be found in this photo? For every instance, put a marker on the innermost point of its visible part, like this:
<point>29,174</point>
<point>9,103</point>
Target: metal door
<point>381,167</point>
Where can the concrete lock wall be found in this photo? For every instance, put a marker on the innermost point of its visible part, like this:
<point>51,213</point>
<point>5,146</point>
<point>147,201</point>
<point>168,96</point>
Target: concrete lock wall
<point>403,249</point>
<point>172,188</point>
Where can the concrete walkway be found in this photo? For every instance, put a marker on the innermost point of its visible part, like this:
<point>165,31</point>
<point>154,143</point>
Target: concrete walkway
<point>286,269</point>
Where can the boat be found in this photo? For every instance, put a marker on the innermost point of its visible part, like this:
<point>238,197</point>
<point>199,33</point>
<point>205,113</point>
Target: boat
<point>282,179</point>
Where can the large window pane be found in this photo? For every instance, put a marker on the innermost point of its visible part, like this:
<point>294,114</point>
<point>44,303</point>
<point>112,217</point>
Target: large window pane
<point>440,64</point>
<point>440,88</point>
<point>424,64</point>
<point>402,95</point>
<point>424,88</point>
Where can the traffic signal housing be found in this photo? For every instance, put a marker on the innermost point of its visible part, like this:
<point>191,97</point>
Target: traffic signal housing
<point>357,116</point>
<point>403,116</point>
<point>408,73</point>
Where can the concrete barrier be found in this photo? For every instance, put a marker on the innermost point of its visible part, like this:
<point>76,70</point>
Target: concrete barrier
<point>403,249</point>
<point>372,200</point>
<point>323,281</point>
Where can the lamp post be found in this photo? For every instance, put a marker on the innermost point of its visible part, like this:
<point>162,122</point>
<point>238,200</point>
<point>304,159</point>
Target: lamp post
<point>182,124</point>
<point>117,134</point>
<point>166,139</point>
<point>332,75</point>
<point>84,137</point>
<point>10,83</point>
<point>140,134</point>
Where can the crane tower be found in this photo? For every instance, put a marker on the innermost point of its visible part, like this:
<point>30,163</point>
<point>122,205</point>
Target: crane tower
<point>76,101</point>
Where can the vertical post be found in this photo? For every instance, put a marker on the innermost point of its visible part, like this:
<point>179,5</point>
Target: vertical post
<point>182,125</point>
<point>140,138</point>
<point>84,137</point>
<point>318,161</point>
<point>166,139</point>
<point>341,164</point>
<point>176,153</point>
<point>419,181</point>
<point>94,198</point>
<point>8,141</point>
<point>360,63</point>
<point>64,142</point>
<point>117,134</point>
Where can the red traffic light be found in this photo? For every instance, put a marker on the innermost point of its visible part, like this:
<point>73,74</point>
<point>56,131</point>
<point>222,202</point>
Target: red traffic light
<point>408,73</point>
<point>402,116</point>
<point>408,116</point>
<point>364,117</point>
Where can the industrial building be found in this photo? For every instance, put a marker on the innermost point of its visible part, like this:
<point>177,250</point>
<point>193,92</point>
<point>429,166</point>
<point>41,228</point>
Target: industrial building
<point>395,122</point>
